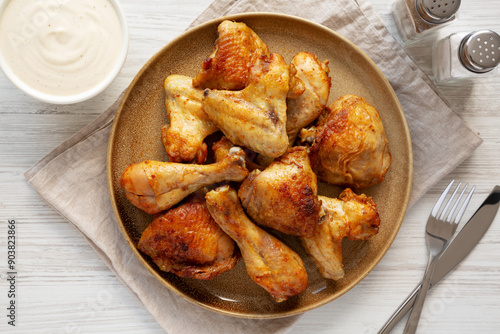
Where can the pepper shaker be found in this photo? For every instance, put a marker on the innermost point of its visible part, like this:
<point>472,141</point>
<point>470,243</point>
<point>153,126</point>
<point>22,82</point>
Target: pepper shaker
<point>466,56</point>
<point>416,18</point>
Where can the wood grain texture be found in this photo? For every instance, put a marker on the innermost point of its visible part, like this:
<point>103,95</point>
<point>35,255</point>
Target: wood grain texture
<point>63,286</point>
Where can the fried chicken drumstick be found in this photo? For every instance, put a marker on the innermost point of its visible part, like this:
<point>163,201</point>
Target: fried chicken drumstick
<point>154,186</point>
<point>349,147</point>
<point>350,215</point>
<point>309,92</point>
<point>269,262</point>
<point>183,137</point>
<point>254,117</point>
<point>284,196</point>
<point>237,48</point>
<point>187,242</point>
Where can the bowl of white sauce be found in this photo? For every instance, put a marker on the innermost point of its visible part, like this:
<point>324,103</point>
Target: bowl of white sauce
<point>62,51</point>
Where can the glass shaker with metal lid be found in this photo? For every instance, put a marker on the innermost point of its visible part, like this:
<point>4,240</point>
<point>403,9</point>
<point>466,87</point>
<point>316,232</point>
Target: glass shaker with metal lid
<point>466,56</point>
<point>416,18</point>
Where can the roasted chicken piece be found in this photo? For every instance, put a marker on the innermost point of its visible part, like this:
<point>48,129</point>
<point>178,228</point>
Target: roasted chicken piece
<point>187,242</point>
<point>309,92</point>
<point>269,262</point>
<point>352,216</point>
<point>154,186</point>
<point>349,147</point>
<point>237,48</point>
<point>255,117</point>
<point>284,196</point>
<point>188,124</point>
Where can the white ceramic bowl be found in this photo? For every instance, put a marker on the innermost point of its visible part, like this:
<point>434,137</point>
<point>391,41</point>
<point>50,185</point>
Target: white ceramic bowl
<point>81,96</point>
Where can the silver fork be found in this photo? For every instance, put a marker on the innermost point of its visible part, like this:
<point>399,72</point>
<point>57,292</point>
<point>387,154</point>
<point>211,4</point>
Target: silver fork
<point>441,226</point>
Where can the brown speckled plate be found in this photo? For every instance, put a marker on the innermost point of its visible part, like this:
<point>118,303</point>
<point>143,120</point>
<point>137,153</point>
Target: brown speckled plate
<point>135,137</point>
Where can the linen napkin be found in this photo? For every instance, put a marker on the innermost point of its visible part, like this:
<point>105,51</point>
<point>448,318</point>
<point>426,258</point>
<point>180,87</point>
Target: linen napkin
<point>72,178</point>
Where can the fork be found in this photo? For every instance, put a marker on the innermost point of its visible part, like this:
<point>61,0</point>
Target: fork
<point>441,226</point>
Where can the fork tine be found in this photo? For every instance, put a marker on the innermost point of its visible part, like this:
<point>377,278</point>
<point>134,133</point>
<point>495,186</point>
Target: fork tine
<point>452,211</point>
<point>441,199</point>
<point>464,206</point>
<point>450,200</point>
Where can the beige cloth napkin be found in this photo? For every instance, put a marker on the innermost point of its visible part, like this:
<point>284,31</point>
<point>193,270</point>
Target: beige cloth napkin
<point>72,178</point>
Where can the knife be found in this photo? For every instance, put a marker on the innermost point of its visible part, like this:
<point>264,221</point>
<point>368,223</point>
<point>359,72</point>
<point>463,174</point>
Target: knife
<point>458,248</point>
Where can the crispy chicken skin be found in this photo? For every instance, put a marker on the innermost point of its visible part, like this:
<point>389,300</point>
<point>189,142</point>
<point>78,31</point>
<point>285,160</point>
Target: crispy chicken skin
<point>187,242</point>
<point>349,147</point>
<point>352,216</point>
<point>154,186</point>
<point>236,50</point>
<point>284,196</point>
<point>255,117</point>
<point>309,92</point>
<point>269,262</point>
<point>188,124</point>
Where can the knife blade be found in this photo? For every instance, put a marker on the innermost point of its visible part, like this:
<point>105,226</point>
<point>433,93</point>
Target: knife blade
<point>458,248</point>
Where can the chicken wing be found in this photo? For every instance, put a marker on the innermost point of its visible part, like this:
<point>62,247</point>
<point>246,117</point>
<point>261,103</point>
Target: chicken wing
<point>187,242</point>
<point>188,124</point>
<point>236,50</point>
<point>255,117</point>
<point>309,92</point>
<point>352,216</point>
<point>269,262</point>
<point>154,186</point>
<point>349,147</point>
<point>284,196</point>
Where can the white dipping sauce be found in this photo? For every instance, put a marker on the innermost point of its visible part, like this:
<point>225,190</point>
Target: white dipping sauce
<point>60,47</point>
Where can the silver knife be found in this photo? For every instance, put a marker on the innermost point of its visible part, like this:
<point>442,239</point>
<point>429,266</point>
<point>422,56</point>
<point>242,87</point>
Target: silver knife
<point>456,251</point>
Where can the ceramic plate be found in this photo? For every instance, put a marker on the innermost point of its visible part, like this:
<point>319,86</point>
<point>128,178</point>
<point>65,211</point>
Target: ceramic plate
<point>135,137</point>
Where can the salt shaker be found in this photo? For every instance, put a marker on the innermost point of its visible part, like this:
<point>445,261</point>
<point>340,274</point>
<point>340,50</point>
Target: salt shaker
<point>465,56</point>
<point>416,18</point>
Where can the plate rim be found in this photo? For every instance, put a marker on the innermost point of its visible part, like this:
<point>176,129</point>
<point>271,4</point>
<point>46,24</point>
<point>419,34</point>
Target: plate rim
<point>132,245</point>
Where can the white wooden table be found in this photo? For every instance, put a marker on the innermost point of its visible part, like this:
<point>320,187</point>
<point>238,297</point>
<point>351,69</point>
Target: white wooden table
<point>63,287</point>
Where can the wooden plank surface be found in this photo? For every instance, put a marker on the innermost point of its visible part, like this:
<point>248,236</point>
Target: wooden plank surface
<point>63,287</point>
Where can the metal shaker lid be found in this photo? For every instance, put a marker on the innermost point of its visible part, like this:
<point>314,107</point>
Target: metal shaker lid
<point>479,51</point>
<point>437,11</point>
